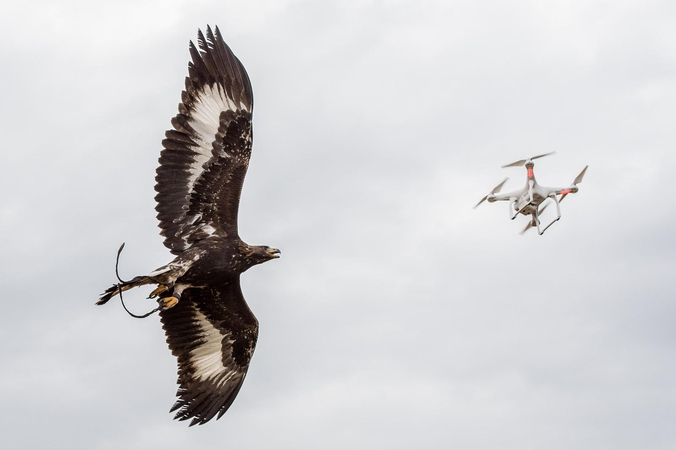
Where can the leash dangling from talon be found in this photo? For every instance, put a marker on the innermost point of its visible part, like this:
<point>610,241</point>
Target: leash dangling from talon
<point>122,282</point>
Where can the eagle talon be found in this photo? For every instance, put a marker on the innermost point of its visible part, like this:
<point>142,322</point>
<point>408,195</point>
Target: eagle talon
<point>167,302</point>
<point>158,290</point>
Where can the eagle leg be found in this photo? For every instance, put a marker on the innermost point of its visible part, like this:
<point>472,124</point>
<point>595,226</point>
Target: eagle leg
<point>171,298</point>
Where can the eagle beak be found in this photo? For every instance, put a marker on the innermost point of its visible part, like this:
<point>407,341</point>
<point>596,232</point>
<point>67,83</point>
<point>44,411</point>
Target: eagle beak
<point>273,252</point>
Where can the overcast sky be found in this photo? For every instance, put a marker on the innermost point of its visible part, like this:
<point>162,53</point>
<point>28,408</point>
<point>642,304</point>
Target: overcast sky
<point>398,317</point>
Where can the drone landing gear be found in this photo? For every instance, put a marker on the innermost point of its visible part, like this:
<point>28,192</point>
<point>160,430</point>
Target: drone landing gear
<point>558,215</point>
<point>513,212</point>
<point>535,217</point>
<point>541,232</point>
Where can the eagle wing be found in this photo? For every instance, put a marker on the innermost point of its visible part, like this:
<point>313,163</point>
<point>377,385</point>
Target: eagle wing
<point>213,334</point>
<point>206,155</point>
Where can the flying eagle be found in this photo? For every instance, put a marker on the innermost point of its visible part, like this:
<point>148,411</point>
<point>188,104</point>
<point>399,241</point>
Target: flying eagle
<point>209,327</point>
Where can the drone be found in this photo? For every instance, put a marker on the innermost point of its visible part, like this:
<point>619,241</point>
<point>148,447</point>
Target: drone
<point>527,200</point>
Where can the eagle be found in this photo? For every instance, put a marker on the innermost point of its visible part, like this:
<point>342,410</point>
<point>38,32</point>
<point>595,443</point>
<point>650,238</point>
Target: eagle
<point>208,324</point>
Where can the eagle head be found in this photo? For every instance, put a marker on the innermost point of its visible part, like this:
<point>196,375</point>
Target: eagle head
<point>257,254</point>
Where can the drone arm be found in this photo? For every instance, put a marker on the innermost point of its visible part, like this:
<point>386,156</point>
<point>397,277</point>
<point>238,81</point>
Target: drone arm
<point>566,191</point>
<point>509,196</point>
<point>573,188</point>
<point>499,198</point>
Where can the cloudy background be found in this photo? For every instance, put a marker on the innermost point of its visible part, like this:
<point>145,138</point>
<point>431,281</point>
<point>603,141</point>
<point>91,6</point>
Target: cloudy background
<point>398,317</point>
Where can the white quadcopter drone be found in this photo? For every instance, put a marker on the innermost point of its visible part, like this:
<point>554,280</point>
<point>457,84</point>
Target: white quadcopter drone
<point>528,199</point>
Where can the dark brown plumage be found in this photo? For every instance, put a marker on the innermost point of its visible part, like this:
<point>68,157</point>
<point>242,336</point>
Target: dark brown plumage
<point>209,327</point>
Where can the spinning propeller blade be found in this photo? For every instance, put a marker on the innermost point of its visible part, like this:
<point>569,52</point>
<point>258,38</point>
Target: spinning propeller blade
<point>521,162</point>
<point>528,227</point>
<point>577,180</point>
<point>544,154</point>
<point>495,190</point>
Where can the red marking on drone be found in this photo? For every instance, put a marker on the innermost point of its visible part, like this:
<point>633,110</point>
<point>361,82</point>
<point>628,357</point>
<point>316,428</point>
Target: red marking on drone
<point>530,172</point>
<point>566,191</point>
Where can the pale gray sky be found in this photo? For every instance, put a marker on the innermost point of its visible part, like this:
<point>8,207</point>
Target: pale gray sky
<point>398,317</point>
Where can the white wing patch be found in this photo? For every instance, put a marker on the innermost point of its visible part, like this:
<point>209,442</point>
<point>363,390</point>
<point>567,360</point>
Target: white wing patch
<point>207,359</point>
<point>208,229</point>
<point>205,119</point>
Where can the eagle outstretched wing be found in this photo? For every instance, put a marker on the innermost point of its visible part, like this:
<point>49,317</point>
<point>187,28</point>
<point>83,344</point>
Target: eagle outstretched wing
<point>208,325</point>
<point>206,155</point>
<point>213,344</point>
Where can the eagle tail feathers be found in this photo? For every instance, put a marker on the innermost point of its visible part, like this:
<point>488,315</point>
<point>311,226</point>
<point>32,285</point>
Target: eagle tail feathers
<point>121,287</point>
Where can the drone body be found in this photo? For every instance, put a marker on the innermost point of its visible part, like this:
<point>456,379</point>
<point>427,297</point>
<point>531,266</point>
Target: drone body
<point>527,200</point>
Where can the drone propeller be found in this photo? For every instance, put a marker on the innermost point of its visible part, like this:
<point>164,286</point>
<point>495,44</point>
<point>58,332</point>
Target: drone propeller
<point>530,222</point>
<point>521,162</point>
<point>495,190</point>
<point>577,180</point>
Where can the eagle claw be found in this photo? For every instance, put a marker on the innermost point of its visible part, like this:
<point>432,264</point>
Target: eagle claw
<point>158,290</point>
<point>167,302</point>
